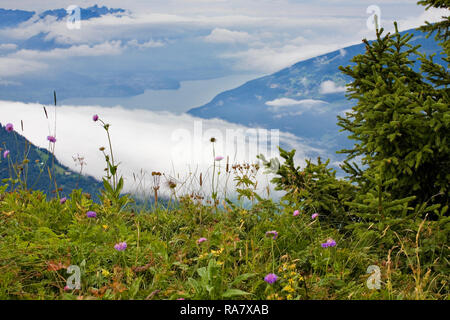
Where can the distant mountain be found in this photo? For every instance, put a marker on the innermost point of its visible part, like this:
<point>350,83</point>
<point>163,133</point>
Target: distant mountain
<point>303,99</point>
<point>109,76</point>
<point>86,14</point>
<point>40,161</point>
<point>12,18</point>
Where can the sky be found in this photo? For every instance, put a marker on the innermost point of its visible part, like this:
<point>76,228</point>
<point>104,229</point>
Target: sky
<point>161,44</point>
<point>257,36</point>
<point>141,70</point>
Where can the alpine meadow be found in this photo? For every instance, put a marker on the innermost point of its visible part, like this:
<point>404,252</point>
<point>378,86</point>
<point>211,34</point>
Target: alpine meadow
<point>349,201</point>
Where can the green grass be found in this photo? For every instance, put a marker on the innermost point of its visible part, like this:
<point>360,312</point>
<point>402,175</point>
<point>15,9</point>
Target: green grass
<point>40,238</point>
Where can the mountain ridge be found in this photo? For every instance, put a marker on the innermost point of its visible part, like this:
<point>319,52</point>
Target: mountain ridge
<point>13,17</point>
<point>303,99</point>
<point>41,161</point>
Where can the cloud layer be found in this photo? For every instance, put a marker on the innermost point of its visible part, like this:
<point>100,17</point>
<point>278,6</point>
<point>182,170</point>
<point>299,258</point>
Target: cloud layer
<point>144,141</point>
<point>271,34</point>
<point>329,86</point>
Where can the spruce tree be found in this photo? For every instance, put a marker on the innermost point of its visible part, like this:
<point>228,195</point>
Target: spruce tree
<point>441,28</point>
<point>401,119</point>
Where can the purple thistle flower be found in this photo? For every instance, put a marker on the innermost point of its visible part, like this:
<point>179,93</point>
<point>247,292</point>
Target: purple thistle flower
<point>95,117</point>
<point>296,213</point>
<point>330,243</point>
<point>121,246</point>
<point>273,232</point>
<point>63,200</point>
<point>218,158</point>
<point>201,240</point>
<point>271,278</point>
<point>51,139</point>
<point>9,127</point>
<point>91,214</point>
<point>5,154</point>
<point>315,215</point>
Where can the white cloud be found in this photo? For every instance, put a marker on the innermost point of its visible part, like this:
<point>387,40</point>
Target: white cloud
<point>278,32</point>
<point>405,21</point>
<point>138,25</point>
<point>8,46</point>
<point>432,15</point>
<point>219,35</point>
<point>284,107</point>
<point>145,45</point>
<point>329,86</point>
<point>286,102</point>
<point>267,36</point>
<point>102,49</point>
<point>28,28</point>
<point>270,59</point>
<point>30,61</point>
<point>177,145</point>
<point>11,67</point>
<point>9,83</point>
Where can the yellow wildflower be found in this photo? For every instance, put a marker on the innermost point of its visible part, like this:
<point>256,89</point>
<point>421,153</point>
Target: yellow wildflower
<point>105,273</point>
<point>203,255</point>
<point>288,288</point>
<point>217,252</point>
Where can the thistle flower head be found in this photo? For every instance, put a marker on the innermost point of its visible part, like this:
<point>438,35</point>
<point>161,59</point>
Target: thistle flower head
<point>296,213</point>
<point>201,240</point>
<point>273,232</point>
<point>52,139</point>
<point>91,214</point>
<point>63,200</point>
<point>5,154</point>
<point>121,246</point>
<point>95,117</point>
<point>330,243</point>
<point>270,278</point>
<point>9,127</point>
<point>314,216</point>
